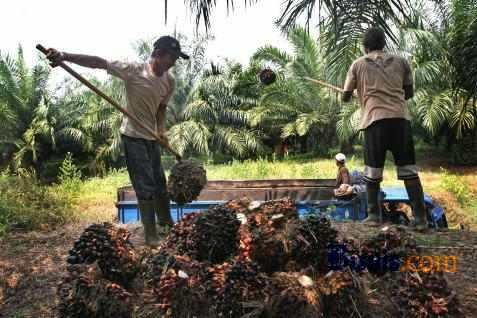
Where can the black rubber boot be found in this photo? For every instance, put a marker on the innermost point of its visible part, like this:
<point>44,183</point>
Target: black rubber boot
<point>162,207</point>
<point>374,212</point>
<point>148,219</point>
<point>416,197</point>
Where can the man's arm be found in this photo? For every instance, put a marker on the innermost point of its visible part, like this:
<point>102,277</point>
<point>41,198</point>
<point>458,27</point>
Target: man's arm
<point>350,84</point>
<point>86,60</point>
<point>347,96</point>
<point>407,81</point>
<point>345,175</point>
<point>408,91</point>
<point>83,60</point>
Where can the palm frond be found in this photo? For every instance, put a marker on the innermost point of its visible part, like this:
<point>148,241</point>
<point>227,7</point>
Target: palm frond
<point>272,54</point>
<point>230,139</point>
<point>433,109</point>
<point>348,123</point>
<point>189,135</point>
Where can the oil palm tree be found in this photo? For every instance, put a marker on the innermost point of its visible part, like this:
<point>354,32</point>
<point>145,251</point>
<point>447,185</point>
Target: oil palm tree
<point>345,15</point>
<point>26,130</point>
<point>89,126</point>
<point>345,20</point>
<point>214,120</point>
<point>294,108</point>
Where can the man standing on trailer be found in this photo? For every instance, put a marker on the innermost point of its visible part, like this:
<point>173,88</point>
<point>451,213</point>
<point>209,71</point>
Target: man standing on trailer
<point>149,87</point>
<point>384,83</point>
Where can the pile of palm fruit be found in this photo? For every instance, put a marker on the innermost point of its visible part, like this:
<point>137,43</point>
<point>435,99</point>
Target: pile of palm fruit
<point>238,259</point>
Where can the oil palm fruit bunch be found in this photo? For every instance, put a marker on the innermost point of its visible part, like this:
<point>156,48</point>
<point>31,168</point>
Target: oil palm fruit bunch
<point>155,265</point>
<point>183,266</point>
<point>268,249</point>
<point>267,76</point>
<point>110,247</point>
<point>180,285</point>
<point>169,283</point>
<point>338,289</point>
<point>178,241</point>
<point>392,243</point>
<point>242,283</point>
<point>246,240</point>
<point>269,226</point>
<point>292,295</point>
<point>311,240</point>
<point>281,207</point>
<point>216,235</point>
<point>186,180</point>
<point>425,294</point>
<point>86,294</point>
<point>209,236</point>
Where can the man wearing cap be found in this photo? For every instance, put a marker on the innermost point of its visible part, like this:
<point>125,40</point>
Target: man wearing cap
<point>343,189</point>
<point>149,87</point>
<point>343,173</point>
<point>384,82</point>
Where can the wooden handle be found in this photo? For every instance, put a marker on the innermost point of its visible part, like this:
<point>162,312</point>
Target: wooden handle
<point>335,88</point>
<point>332,87</point>
<point>158,137</point>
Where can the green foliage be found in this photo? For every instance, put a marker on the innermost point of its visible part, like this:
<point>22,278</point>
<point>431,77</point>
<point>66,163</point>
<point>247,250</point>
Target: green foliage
<point>26,129</point>
<point>27,205</point>
<point>69,176</point>
<point>294,108</point>
<point>225,113</point>
<point>463,46</point>
<point>68,169</point>
<point>456,186</point>
<point>293,167</point>
<point>214,119</point>
<point>465,151</point>
<point>463,192</point>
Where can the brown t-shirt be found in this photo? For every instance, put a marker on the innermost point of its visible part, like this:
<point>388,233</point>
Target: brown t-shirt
<point>342,177</point>
<point>145,92</point>
<point>379,78</point>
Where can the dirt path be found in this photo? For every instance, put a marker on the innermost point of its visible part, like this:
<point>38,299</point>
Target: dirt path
<point>31,265</point>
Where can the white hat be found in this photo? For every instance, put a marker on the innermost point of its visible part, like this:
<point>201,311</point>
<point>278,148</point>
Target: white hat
<point>340,157</point>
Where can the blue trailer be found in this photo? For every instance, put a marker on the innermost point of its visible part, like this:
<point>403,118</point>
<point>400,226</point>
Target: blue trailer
<point>311,196</point>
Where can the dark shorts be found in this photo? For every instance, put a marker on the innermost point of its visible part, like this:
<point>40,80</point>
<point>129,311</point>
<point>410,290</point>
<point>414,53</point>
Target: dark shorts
<point>395,135</point>
<point>143,161</point>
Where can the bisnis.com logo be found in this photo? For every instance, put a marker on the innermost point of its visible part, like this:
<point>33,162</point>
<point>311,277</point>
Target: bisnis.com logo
<point>339,258</point>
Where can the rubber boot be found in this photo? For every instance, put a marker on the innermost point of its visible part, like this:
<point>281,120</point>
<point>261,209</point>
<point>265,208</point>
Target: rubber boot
<point>148,219</point>
<point>162,207</point>
<point>374,215</point>
<point>416,197</point>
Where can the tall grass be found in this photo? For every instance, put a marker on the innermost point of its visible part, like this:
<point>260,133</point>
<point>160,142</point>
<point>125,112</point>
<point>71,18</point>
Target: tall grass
<point>27,205</point>
<point>464,193</point>
<point>291,168</point>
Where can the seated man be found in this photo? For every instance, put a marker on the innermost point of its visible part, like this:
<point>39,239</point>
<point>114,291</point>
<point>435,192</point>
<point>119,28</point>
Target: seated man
<point>343,176</point>
<point>343,188</point>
